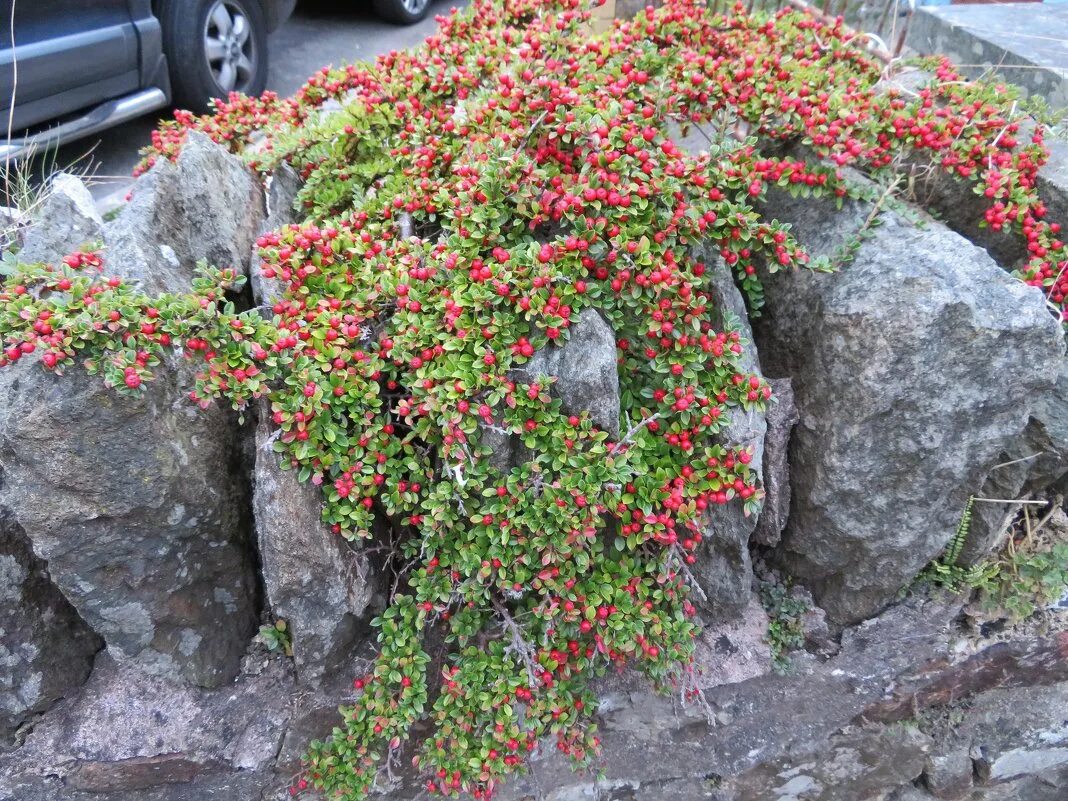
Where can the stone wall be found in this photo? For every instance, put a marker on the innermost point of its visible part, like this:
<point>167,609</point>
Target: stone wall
<point>142,542</point>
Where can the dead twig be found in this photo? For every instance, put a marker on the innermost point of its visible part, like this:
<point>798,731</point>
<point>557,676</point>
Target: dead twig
<point>533,127</point>
<point>636,428</point>
<point>691,579</point>
<point>519,643</point>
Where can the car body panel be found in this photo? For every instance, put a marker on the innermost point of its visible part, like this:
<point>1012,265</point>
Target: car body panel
<point>64,59</point>
<point>277,12</point>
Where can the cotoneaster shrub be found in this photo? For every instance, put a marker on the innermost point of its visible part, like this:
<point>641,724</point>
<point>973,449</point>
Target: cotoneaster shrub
<point>532,165</point>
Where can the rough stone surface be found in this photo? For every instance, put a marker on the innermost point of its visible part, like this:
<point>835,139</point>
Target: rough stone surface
<point>800,737</point>
<point>1047,435</point>
<point>856,763</point>
<point>1017,740</point>
<point>724,570</point>
<point>281,195</point>
<point>948,775</point>
<point>735,650</point>
<point>46,650</point>
<point>131,736</point>
<point>820,733</point>
<point>205,786</point>
<point>1053,180</point>
<point>586,370</point>
<point>139,507</point>
<point>1035,465</point>
<point>323,587</point>
<point>66,221</point>
<point>206,205</point>
<point>1004,665</point>
<point>914,367</point>
<point>781,418</point>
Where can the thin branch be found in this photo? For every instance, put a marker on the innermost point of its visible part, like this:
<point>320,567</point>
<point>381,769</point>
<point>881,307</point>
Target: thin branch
<point>1017,461</point>
<point>391,758</point>
<point>459,481</point>
<point>636,428</point>
<point>691,579</point>
<point>405,223</point>
<point>689,686</point>
<point>994,144</point>
<point>530,133</point>
<point>519,644</point>
<point>1057,503</point>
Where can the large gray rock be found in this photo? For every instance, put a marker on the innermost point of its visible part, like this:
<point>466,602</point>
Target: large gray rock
<point>585,368</point>
<point>66,221</point>
<point>724,570</point>
<point>587,380</point>
<point>1037,463</point>
<point>139,507</point>
<point>46,650</point>
<point>320,585</point>
<point>948,774</point>
<point>206,205</point>
<point>914,367</point>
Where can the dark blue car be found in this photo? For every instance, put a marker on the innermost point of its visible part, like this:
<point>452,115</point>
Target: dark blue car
<point>79,66</point>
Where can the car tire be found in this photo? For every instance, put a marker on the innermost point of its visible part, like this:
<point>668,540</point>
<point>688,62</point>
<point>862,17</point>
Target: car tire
<point>214,47</point>
<point>402,12</point>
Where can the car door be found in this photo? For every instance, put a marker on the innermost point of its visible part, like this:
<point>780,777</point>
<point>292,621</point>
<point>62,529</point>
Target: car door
<point>68,55</point>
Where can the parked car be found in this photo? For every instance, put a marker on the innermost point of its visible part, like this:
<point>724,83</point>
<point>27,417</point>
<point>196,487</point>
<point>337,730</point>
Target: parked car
<point>81,66</point>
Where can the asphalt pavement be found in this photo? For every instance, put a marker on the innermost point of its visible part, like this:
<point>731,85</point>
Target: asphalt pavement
<point>318,33</point>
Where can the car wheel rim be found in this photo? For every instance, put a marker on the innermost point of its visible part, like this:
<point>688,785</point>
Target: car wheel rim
<point>230,48</point>
<point>415,6</point>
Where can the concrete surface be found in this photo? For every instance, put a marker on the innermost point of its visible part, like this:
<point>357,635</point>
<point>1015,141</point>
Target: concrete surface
<point>1027,44</point>
<point>319,33</point>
